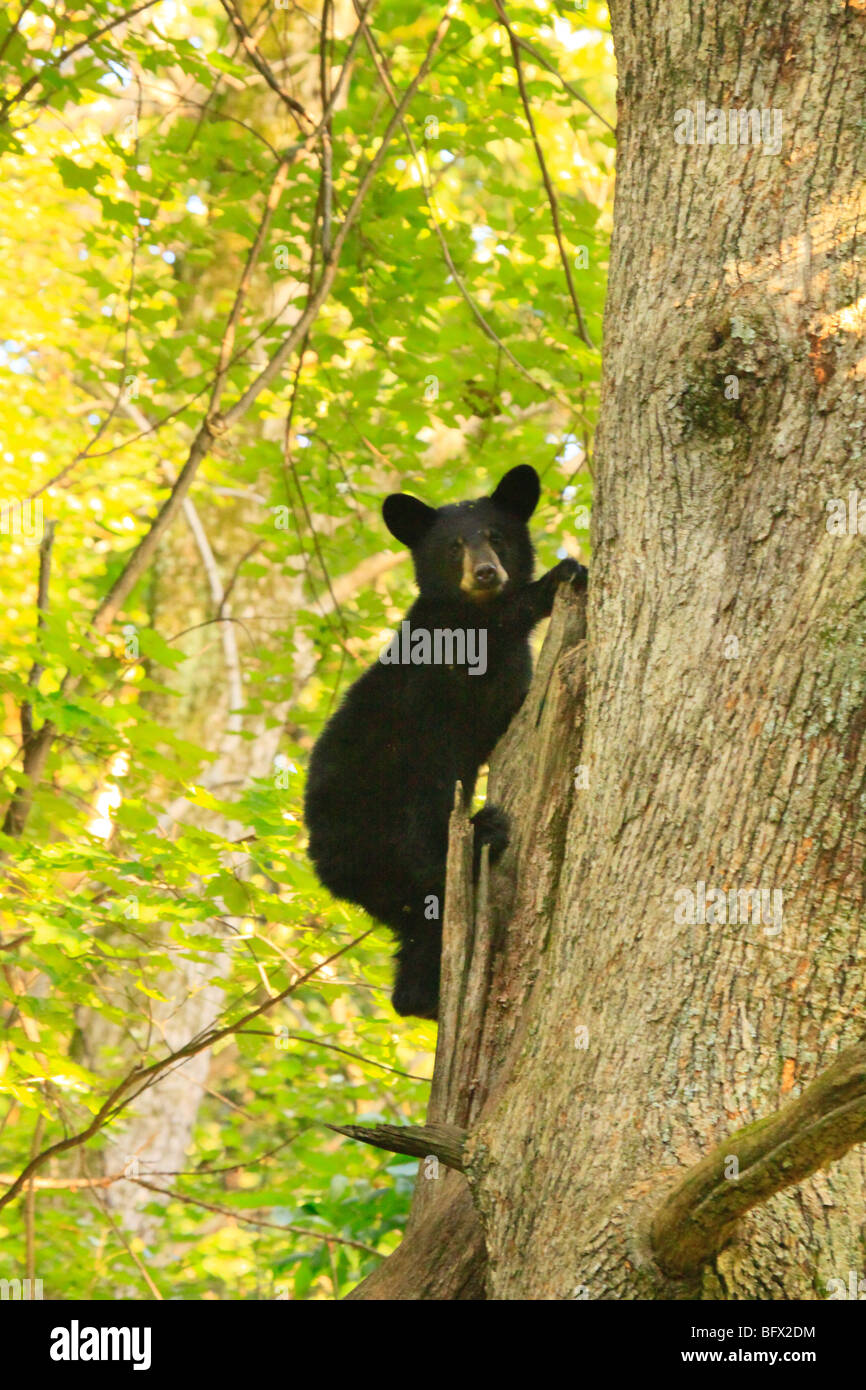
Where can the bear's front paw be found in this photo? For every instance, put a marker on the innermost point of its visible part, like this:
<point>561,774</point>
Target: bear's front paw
<point>491,828</point>
<point>571,572</point>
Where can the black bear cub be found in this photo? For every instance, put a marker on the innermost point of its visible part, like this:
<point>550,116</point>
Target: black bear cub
<point>381,780</point>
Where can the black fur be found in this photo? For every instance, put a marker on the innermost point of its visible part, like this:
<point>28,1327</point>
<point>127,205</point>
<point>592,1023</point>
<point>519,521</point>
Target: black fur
<point>381,779</point>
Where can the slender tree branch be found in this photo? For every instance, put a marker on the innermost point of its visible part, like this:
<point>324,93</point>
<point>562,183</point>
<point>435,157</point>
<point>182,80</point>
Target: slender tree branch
<point>65,1184</point>
<point>219,593</point>
<point>30,1208</point>
<point>122,1095</point>
<point>486,328</point>
<point>38,747</point>
<point>102,1206</point>
<point>275,365</point>
<point>262,66</point>
<point>244,1216</point>
<point>542,164</point>
<point>35,744</point>
<point>827,1120</point>
<point>310,140</point>
<point>13,28</point>
<point>545,62</point>
<point>326,150</point>
<point>228,341</point>
<point>37,77</point>
<point>333,1047</point>
<point>213,426</point>
<point>122,393</point>
<point>289,468</point>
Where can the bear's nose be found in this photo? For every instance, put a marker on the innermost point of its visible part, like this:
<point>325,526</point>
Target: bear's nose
<point>485,574</point>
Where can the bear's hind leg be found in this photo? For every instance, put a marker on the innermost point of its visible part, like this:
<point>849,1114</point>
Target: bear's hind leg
<point>416,987</point>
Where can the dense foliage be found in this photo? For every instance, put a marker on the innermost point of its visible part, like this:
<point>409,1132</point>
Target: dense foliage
<point>159,705</point>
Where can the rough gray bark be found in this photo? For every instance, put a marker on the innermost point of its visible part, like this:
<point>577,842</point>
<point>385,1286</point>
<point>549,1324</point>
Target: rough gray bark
<point>724,716</point>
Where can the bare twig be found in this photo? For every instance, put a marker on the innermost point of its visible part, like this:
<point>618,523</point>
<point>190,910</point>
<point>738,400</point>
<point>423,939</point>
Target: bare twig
<point>472,304</point>
<point>37,749</point>
<point>13,28</point>
<point>144,1076</point>
<point>297,333</point>
<point>228,341</point>
<point>333,1047</point>
<point>324,1236</point>
<point>327,154</point>
<point>304,121</point>
<point>545,175</point>
<point>213,426</point>
<point>30,1208</point>
<point>38,77</point>
<point>98,1200</point>
<point>569,86</point>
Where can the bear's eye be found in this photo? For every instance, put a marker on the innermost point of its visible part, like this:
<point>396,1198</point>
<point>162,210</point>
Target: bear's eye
<point>494,537</point>
<point>455,548</point>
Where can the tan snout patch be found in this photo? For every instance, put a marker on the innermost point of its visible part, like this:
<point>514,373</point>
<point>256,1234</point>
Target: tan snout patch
<point>481,555</point>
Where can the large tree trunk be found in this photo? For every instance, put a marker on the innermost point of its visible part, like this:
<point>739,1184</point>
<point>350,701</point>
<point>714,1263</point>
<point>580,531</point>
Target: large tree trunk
<point>722,734</point>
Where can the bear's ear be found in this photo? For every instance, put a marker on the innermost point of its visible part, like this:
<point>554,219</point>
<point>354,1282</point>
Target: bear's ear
<point>407,518</point>
<point>518,492</point>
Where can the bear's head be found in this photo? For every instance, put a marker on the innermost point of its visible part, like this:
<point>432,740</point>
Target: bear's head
<point>474,550</point>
